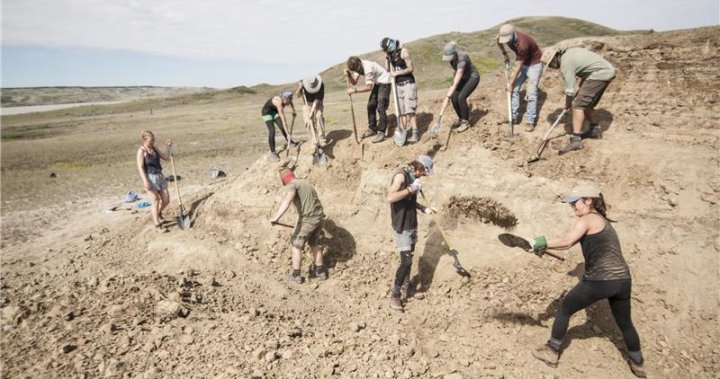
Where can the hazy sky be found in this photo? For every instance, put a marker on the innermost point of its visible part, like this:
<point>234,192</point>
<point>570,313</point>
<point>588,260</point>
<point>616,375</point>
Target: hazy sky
<point>226,43</point>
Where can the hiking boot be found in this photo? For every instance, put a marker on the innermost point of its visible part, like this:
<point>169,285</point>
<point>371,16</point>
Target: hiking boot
<point>322,275</point>
<point>456,123</point>
<point>379,138</point>
<point>546,354</point>
<point>464,125</point>
<point>638,369</point>
<point>395,303</point>
<point>595,132</point>
<point>275,157</point>
<point>529,127</point>
<point>573,144</point>
<point>295,279</point>
<point>368,133</point>
<point>413,136</point>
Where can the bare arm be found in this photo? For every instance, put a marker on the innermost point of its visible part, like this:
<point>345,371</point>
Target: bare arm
<point>396,194</point>
<point>140,159</point>
<point>284,206</point>
<point>456,80</point>
<point>351,78</point>
<point>408,62</point>
<point>571,238</point>
<point>277,102</point>
<point>166,155</point>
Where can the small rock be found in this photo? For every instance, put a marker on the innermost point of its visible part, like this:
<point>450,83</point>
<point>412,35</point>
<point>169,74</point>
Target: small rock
<point>68,348</point>
<point>259,353</point>
<point>271,356</point>
<point>170,308</point>
<point>394,340</point>
<point>108,328</point>
<point>257,374</point>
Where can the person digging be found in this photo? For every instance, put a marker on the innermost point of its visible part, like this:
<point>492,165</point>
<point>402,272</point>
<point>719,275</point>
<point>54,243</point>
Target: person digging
<point>400,66</point>
<point>273,113</point>
<point>595,73</point>
<point>606,276</point>
<point>402,196</point>
<point>308,229</point>
<point>312,90</point>
<point>377,82</point>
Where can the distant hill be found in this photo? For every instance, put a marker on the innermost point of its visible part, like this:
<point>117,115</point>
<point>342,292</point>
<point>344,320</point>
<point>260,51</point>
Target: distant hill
<point>14,97</point>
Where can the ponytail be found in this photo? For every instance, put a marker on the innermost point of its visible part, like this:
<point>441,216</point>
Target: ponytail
<point>598,204</point>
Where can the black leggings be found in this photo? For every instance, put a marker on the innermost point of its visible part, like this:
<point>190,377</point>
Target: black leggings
<point>587,292</point>
<point>271,132</point>
<point>403,272</point>
<point>459,97</point>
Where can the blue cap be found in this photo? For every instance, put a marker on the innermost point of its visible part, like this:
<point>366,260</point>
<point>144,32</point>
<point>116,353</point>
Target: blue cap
<point>287,95</point>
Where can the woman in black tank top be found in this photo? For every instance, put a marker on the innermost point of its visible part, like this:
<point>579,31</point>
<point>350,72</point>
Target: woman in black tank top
<point>148,163</point>
<point>606,276</point>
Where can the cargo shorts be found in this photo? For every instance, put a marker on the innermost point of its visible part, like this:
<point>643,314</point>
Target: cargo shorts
<point>307,232</point>
<point>407,97</point>
<point>590,93</point>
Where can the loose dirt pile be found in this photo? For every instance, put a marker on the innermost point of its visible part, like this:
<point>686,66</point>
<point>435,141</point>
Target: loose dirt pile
<point>105,296</point>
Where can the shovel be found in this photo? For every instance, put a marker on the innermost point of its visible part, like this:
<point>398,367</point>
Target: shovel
<point>283,224</point>
<point>400,134</point>
<point>541,147</point>
<point>509,100</point>
<point>511,240</point>
<point>354,124</point>
<point>319,156</point>
<point>459,269</point>
<point>292,124</point>
<point>183,220</point>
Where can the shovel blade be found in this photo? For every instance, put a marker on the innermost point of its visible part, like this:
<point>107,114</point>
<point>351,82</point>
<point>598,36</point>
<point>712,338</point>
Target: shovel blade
<point>183,222</point>
<point>400,136</point>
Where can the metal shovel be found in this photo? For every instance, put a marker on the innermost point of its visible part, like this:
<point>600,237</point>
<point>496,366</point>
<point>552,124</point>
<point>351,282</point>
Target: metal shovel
<point>183,220</point>
<point>536,157</point>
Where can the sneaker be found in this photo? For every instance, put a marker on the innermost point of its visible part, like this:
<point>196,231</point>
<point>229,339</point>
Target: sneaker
<point>275,157</point>
<point>295,279</point>
<point>529,127</point>
<point>638,369</point>
<point>463,127</point>
<point>595,132</point>
<point>395,303</point>
<point>456,123</point>
<point>546,354</point>
<point>368,133</point>
<point>573,144</point>
<point>379,138</point>
<point>322,275</point>
<point>413,136</point>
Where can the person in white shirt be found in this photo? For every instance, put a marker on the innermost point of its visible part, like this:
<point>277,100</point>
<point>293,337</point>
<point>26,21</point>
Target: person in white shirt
<point>377,82</point>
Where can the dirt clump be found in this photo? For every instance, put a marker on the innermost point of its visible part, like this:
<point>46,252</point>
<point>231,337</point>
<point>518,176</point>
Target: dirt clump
<point>482,209</point>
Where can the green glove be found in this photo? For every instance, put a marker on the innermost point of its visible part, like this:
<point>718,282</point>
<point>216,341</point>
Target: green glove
<point>539,244</point>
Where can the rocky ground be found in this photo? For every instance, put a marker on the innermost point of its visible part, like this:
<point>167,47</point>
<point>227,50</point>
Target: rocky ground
<point>95,294</point>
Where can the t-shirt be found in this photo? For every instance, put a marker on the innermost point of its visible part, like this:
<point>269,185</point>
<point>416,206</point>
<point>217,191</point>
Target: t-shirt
<point>306,201</point>
<point>319,95</point>
<point>374,73</point>
<point>585,64</point>
<point>526,49</point>
<point>463,62</point>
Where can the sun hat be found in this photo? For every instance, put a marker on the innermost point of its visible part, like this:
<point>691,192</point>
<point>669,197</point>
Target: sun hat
<point>581,191</point>
<point>548,55</point>
<point>449,51</point>
<point>427,162</point>
<point>312,83</point>
<point>286,95</point>
<point>506,33</point>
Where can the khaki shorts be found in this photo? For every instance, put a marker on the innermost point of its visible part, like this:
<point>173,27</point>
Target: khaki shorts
<point>407,98</point>
<point>306,232</point>
<point>590,93</point>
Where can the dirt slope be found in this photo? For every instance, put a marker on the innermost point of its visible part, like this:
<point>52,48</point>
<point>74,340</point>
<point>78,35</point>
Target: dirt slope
<point>102,296</point>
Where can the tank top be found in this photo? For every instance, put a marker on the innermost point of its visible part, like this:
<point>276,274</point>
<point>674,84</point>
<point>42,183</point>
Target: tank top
<point>151,162</point>
<point>403,213</point>
<point>269,108</point>
<point>398,63</point>
<point>603,256</point>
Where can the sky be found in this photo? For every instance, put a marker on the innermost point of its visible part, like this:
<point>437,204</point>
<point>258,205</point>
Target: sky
<point>228,43</point>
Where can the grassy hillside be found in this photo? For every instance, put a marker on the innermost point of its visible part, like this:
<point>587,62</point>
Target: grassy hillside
<point>13,97</point>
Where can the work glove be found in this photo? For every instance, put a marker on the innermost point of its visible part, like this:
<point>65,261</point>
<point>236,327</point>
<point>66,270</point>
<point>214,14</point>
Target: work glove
<point>416,186</point>
<point>538,244</point>
<point>429,210</point>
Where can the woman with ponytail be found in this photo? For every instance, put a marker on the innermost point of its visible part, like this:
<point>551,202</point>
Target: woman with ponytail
<point>606,276</point>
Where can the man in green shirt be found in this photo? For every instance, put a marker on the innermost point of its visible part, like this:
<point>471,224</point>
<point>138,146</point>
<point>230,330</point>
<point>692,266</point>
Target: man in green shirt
<point>595,75</point>
<point>309,225</point>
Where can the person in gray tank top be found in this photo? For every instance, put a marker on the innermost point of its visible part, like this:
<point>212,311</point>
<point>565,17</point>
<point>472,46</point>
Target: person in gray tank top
<point>606,276</point>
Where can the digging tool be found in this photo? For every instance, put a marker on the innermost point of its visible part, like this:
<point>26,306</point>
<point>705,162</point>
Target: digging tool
<point>283,224</point>
<point>292,124</point>
<point>438,126</point>
<point>319,156</point>
<point>183,220</point>
<point>536,157</point>
<point>511,240</point>
<point>454,253</point>
<point>354,123</point>
<point>447,139</point>
<point>400,134</point>
<point>509,100</point>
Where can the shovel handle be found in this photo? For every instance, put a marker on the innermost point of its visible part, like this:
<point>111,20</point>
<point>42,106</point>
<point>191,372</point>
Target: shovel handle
<point>554,255</point>
<point>283,224</point>
<point>177,187</point>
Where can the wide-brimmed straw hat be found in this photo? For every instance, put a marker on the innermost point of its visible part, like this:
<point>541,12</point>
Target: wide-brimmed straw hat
<point>312,83</point>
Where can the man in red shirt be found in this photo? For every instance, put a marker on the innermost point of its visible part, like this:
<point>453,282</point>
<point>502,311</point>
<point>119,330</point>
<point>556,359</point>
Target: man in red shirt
<point>527,66</point>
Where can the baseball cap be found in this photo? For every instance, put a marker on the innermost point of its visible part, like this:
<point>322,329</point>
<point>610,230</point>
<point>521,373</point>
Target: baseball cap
<point>449,51</point>
<point>505,34</point>
<point>581,191</point>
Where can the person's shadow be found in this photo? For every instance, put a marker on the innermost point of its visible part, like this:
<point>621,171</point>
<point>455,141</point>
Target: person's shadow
<point>340,244</point>
<point>602,116</point>
<point>333,137</point>
<point>435,247</point>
